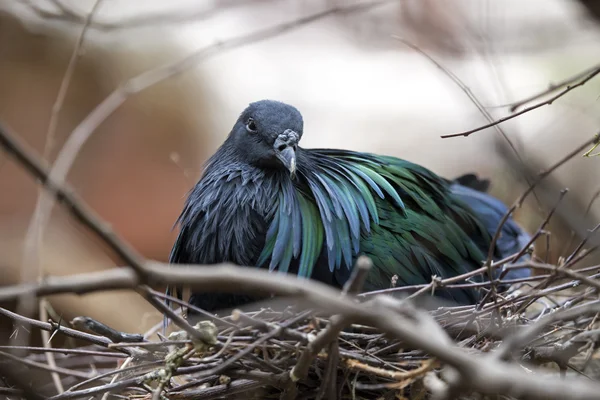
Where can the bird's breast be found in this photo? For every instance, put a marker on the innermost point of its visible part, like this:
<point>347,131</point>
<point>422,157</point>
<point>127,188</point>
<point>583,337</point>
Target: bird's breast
<point>230,222</point>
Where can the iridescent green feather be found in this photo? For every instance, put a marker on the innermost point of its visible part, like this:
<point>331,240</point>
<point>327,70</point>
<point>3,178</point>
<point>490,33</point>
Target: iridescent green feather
<point>398,213</point>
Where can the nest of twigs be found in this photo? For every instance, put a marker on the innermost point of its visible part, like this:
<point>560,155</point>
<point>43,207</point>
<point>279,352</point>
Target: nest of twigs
<point>546,324</point>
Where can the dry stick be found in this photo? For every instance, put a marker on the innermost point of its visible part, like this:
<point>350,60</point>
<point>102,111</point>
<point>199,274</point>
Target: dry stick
<point>85,215</point>
<point>582,82</point>
<point>529,297</point>
<point>441,283</point>
<point>206,278</point>
<point>116,372</point>
<point>65,351</point>
<point>94,391</point>
<point>526,193</point>
<point>219,391</point>
<point>70,15</point>
<point>44,367</point>
<point>116,376</point>
<point>329,386</point>
<point>31,262</point>
<point>567,272</point>
<point>19,380</point>
<point>561,268</point>
<point>541,227</point>
<point>90,324</point>
<point>146,293</point>
<point>546,220</point>
<point>427,366</point>
<point>66,81</point>
<point>99,340</point>
<point>158,326</point>
<point>249,349</point>
<point>483,375</point>
<point>518,340</point>
<point>65,195</point>
<point>31,265</point>
<point>337,322</point>
<point>469,93</point>
<point>553,88</point>
<point>583,242</point>
<point>175,300</point>
<point>246,320</point>
<point>46,343</point>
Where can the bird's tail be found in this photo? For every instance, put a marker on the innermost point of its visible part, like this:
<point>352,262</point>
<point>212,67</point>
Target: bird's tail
<point>473,182</point>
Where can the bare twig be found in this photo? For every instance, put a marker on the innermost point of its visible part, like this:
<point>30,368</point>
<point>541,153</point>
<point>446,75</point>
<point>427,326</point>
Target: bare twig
<point>64,194</point>
<point>46,342</point>
<point>527,334</point>
<point>36,365</point>
<point>551,100</point>
<point>553,88</point>
<point>99,340</point>
<point>31,268</point>
<point>70,15</point>
<point>480,372</point>
<point>469,93</point>
<point>336,324</point>
<point>528,191</point>
<point>66,81</point>
<point>31,262</point>
<point>329,386</point>
<point>355,283</point>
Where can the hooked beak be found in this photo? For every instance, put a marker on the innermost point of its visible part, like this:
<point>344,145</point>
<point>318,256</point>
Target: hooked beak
<point>285,150</point>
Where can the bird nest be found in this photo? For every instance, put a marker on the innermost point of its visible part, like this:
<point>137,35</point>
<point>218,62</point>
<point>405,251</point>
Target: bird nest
<point>545,325</point>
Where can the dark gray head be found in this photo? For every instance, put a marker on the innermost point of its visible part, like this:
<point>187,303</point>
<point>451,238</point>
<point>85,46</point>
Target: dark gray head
<point>267,134</point>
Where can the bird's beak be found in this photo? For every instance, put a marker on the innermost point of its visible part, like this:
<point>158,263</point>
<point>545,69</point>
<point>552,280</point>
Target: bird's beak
<point>285,150</point>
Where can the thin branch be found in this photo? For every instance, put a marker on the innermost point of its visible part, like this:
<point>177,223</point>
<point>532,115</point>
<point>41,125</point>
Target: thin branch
<point>529,333</point>
<point>65,351</point>
<point>67,14</point>
<point>326,336</point>
<point>480,372</point>
<point>469,93</point>
<point>355,283</point>
<point>66,81</point>
<point>99,340</point>
<point>46,343</point>
<point>44,367</point>
<point>541,176</point>
<point>551,100</point>
<point>553,88</point>
<point>65,195</point>
<point>30,264</point>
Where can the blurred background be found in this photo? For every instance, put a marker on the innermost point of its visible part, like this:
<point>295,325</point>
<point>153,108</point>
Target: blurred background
<point>358,86</point>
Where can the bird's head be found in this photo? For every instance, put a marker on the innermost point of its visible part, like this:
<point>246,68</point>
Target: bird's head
<point>267,134</point>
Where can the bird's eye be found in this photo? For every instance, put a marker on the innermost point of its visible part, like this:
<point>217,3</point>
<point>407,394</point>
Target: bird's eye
<point>251,126</point>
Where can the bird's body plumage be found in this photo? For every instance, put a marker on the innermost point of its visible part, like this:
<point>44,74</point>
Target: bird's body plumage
<point>335,206</point>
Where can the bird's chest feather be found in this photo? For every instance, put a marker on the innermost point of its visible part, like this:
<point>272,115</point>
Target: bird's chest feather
<point>227,218</point>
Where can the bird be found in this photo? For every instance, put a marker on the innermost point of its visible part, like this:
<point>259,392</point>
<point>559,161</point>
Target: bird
<point>263,201</point>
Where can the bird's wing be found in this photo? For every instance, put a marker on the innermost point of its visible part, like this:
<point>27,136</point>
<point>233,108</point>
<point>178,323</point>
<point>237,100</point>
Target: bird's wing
<point>431,235</point>
<point>346,203</point>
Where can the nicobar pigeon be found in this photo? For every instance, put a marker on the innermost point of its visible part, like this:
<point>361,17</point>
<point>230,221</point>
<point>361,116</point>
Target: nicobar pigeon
<point>264,201</point>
